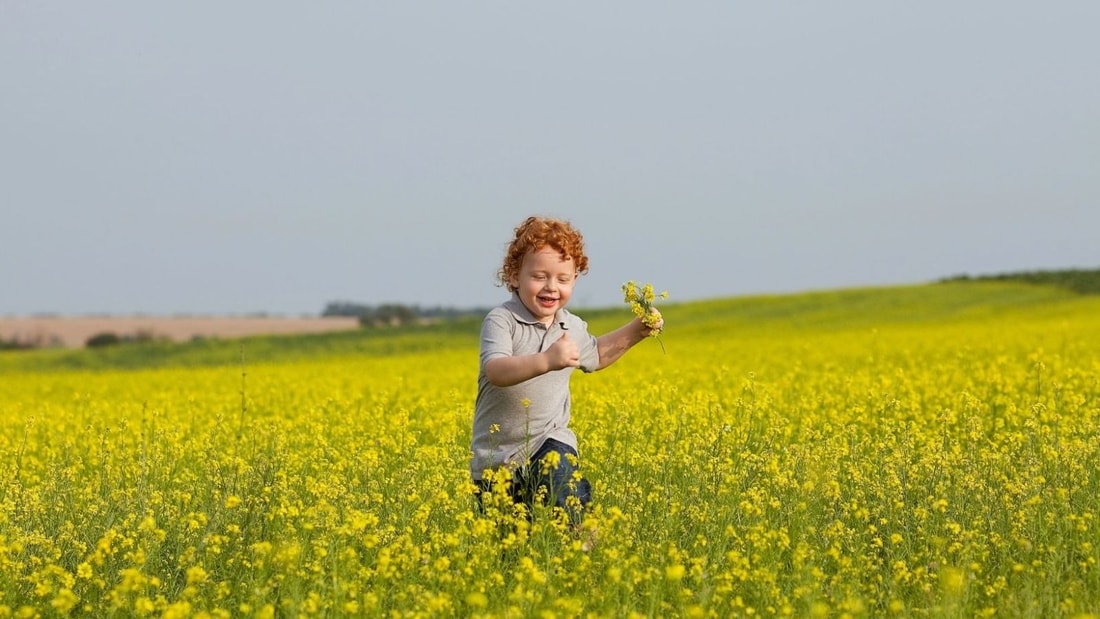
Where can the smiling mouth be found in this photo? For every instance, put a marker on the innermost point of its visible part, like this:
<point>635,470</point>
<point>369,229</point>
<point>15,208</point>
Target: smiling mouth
<point>547,300</point>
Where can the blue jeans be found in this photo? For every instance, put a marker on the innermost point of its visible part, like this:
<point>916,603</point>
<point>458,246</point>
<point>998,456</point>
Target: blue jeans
<point>550,481</point>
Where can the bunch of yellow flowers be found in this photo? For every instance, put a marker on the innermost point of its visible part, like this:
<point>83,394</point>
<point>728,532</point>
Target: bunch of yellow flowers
<point>641,303</point>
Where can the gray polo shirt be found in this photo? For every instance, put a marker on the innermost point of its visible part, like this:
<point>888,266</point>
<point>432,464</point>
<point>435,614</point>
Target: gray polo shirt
<point>511,330</point>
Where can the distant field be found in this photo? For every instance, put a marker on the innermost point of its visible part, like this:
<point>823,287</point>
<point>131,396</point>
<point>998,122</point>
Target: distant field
<point>73,332</point>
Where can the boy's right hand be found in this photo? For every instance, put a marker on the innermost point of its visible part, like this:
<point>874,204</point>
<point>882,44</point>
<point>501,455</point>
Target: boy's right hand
<point>564,353</point>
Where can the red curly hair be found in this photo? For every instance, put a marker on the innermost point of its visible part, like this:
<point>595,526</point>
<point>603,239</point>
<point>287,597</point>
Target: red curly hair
<point>536,233</point>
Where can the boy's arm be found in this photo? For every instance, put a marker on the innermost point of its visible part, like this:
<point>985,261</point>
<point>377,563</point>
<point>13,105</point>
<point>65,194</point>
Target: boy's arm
<point>508,371</point>
<point>614,345</point>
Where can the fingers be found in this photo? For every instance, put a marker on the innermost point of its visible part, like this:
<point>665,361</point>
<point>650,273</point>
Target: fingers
<point>565,352</point>
<point>572,353</point>
<point>660,324</point>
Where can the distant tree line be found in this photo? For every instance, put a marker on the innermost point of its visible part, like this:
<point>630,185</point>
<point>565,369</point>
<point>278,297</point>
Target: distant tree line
<point>1081,281</point>
<point>14,344</point>
<point>29,342</point>
<point>98,340</point>
<point>394,314</point>
<point>104,339</point>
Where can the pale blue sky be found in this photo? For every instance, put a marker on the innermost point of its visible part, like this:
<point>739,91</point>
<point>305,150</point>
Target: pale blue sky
<point>234,157</point>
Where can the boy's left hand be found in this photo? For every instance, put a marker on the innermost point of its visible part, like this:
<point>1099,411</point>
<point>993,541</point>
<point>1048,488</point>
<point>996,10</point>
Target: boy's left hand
<point>656,327</point>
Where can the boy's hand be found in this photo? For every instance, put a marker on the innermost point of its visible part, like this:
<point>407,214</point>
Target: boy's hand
<point>564,353</point>
<point>656,327</point>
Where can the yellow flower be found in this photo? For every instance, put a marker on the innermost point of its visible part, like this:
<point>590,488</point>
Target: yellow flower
<point>65,601</point>
<point>144,606</point>
<point>196,575</point>
<point>953,580</point>
<point>477,599</point>
<point>641,305</point>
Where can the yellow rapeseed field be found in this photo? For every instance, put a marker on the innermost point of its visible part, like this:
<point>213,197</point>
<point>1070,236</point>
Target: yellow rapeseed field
<point>932,451</point>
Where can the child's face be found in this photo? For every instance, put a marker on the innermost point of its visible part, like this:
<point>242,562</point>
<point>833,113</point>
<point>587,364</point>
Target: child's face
<point>545,282</point>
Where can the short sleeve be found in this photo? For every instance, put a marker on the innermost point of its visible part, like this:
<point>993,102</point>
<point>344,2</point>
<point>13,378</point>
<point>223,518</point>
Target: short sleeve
<point>586,344</point>
<point>496,336</point>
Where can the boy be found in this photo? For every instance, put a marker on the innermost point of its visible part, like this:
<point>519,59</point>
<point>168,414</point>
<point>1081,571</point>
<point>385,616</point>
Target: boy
<point>530,346</point>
